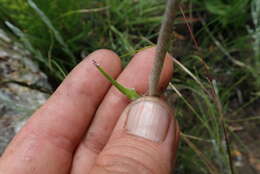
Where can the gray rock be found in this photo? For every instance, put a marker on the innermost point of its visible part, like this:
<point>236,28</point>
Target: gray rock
<point>22,88</point>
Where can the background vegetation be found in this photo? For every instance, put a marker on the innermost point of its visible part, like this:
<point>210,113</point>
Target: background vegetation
<point>216,77</point>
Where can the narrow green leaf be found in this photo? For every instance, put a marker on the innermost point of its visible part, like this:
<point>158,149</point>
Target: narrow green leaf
<point>130,93</point>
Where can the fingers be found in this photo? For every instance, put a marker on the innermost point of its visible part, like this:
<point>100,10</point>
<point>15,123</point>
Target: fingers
<point>135,75</point>
<point>46,144</point>
<point>144,140</point>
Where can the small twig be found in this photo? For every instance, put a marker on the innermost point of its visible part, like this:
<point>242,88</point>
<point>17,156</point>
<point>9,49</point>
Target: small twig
<point>190,29</point>
<point>162,46</point>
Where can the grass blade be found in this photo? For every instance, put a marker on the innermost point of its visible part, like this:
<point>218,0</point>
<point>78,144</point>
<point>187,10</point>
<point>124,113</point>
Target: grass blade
<point>207,162</point>
<point>92,10</point>
<point>37,54</point>
<point>189,73</point>
<point>20,34</point>
<point>56,33</point>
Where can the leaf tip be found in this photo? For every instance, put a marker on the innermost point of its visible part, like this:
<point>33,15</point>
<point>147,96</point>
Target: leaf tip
<point>95,63</point>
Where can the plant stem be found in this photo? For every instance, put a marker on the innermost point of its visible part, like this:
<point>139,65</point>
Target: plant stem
<point>162,46</point>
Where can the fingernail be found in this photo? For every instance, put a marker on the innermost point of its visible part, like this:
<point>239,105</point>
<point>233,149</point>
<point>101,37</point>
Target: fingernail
<point>148,118</point>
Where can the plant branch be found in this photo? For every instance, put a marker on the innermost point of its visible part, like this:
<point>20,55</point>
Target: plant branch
<point>162,46</point>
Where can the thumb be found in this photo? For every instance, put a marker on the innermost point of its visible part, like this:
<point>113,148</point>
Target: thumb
<point>144,140</point>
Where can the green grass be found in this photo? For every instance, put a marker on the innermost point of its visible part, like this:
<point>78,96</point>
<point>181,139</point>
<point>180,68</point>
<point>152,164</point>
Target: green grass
<point>58,29</point>
<point>207,82</point>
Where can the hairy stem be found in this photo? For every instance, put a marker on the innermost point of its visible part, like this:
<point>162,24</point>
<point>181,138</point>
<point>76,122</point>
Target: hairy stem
<point>162,46</point>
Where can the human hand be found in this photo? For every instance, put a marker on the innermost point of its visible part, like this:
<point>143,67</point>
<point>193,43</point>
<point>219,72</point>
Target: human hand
<point>87,126</point>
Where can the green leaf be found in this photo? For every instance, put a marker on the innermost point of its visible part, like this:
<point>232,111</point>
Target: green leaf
<point>130,93</point>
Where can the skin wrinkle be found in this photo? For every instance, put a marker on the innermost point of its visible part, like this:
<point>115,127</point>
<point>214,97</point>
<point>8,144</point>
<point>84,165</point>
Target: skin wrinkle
<point>107,171</point>
<point>136,141</point>
<point>93,143</point>
<point>73,90</point>
<point>130,148</point>
<point>91,139</point>
<point>56,137</point>
<point>116,161</point>
<point>145,148</point>
<point>60,141</point>
<point>50,137</point>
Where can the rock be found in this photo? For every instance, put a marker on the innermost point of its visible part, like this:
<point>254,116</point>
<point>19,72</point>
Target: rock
<point>23,87</point>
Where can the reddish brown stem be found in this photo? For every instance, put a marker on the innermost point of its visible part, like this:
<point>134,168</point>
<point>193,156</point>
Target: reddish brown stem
<point>190,29</point>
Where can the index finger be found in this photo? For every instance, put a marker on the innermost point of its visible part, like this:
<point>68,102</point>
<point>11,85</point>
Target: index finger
<point>47,142</point>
